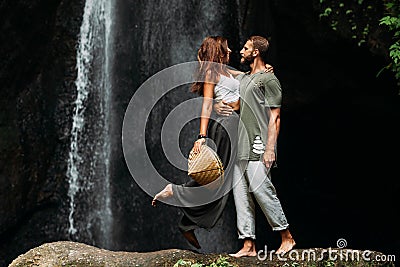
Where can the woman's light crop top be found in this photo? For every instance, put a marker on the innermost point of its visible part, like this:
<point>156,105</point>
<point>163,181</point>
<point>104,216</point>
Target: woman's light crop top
<point>227,89</point>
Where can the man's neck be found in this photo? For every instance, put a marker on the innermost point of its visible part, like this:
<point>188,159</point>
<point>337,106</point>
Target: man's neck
<point>257,65</point>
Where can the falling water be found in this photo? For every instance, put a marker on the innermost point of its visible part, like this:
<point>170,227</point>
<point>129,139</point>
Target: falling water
<point>90,216</point>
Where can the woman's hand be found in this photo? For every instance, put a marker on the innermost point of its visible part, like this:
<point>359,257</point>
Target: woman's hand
<point>269,68</point>
<point>197,145</point>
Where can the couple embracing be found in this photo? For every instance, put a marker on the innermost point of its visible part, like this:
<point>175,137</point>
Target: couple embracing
<point>245,134</point>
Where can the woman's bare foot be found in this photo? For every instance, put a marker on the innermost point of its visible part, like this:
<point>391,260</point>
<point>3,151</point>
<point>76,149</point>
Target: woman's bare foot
<point>248,250</point>
<point>165,193</point>
<point>287,244</point>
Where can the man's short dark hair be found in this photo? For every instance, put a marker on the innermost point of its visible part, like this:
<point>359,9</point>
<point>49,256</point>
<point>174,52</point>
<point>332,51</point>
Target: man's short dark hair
<point>261,44</point>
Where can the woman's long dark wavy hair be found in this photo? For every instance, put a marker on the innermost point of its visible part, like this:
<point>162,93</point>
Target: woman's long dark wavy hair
<point>214,49</point>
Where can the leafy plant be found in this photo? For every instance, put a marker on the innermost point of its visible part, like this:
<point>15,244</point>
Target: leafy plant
<point>183,263</point>
<point>392,21</point>
<point>292,264</point>
<point>374,23</point>
<point>220,262</point>
<point>329,264</point>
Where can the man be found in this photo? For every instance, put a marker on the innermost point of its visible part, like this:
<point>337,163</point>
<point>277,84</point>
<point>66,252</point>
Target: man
<point>260,101</point>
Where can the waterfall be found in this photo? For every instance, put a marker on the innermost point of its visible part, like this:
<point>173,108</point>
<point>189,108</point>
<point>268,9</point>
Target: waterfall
<point>90,215</point>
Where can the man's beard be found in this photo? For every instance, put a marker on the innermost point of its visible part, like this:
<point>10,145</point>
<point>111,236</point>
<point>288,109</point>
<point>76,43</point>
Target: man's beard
<point>247,60</point>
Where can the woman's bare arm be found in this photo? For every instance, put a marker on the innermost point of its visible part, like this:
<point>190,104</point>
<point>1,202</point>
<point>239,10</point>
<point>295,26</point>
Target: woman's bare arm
<point>208,94</point>
<point>268,68</point>
<point>235,72</point>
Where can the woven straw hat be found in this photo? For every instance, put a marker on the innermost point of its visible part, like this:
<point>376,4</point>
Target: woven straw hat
<point>205,166</point>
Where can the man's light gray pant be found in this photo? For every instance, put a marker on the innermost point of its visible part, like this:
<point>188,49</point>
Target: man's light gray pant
<point>252,178</point>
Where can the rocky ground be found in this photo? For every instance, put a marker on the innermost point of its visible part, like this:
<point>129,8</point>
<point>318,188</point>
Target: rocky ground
<point>65,253</point>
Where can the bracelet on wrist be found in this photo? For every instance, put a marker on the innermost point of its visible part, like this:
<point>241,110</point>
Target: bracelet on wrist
<point>201,136</point>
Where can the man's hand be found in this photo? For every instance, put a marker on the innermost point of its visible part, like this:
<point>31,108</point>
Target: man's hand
<point>269,158</point>
<point>223,109</point>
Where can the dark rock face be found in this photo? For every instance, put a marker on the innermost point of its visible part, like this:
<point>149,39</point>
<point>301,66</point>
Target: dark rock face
<point>37,76</point>
<point>336,114</point>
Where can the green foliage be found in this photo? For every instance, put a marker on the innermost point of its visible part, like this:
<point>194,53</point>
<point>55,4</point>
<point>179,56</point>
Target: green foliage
<point>292,264</point>
<point>220,262</point>
<point>187,263</point>
<point>352,19</point>
<point>375,23</point>
<point>329,264</point>
<point>392,21</point>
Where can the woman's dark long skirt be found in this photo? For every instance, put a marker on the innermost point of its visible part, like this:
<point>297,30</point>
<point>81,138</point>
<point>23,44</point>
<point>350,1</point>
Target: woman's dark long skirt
<point>223,132</point>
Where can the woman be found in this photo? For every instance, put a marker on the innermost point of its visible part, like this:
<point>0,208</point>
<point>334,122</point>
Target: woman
<point>215,83</point>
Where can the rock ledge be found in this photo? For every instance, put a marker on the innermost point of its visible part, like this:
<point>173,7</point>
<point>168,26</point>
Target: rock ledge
<point>66,253</point>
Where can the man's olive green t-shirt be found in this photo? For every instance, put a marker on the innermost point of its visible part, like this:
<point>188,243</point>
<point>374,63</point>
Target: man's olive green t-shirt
<point>258,93</point>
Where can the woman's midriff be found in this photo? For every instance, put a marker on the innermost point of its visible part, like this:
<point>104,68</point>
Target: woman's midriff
<point>235,105</point>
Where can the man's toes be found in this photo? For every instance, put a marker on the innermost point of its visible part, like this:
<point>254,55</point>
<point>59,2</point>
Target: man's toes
<point>243,254</point>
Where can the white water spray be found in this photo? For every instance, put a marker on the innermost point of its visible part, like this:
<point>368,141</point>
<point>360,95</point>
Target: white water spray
<point>89,156</point>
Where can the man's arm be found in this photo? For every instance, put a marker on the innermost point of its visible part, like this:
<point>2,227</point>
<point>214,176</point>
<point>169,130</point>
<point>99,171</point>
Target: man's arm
<point>223,109</point>
<point>273,131</point>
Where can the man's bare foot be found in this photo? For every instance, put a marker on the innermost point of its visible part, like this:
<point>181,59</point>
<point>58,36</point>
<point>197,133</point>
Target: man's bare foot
<point>165,193</point>
<point>248,250</point>
<point>287,244</point>
<point>191,238</point>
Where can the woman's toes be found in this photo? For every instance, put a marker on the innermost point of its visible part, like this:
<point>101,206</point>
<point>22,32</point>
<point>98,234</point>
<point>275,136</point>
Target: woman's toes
<point>165,193</point>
